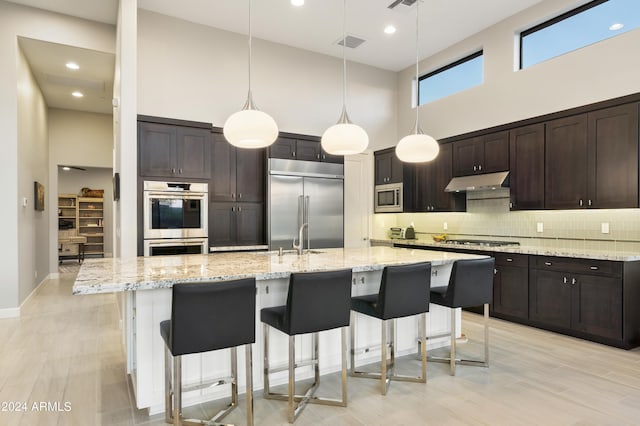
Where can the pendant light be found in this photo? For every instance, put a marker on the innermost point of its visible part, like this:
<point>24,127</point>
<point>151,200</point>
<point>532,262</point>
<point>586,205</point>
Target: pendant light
<point>250,127</point>
<point>417,147</point>
<point>344,137</point>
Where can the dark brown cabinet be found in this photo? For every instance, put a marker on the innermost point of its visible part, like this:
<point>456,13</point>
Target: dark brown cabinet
<point>581,295</point>
<point>526,167</point>
<point>237,174</point>
<point>592,160</point>
<point>430,181</point>
<point>388,167</point>
<point>482,154</point>
<point>176,152</point>
<point>298,148</point>
<point>511,286</point>
<point>236,224</point>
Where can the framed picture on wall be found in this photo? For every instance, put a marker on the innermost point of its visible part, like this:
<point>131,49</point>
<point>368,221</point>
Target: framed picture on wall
<point>38,195</point>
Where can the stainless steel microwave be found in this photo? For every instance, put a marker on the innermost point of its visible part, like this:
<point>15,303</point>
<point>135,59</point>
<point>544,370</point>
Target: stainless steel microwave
<point>388,198</point>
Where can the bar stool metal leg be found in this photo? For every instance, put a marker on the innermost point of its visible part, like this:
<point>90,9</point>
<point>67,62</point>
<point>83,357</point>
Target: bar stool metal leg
<point>452,348</point>
<point>384,379</point>
<point>177,390</point>
<point>292,379</point>
<point>168,394</point>
<point>249,383</point>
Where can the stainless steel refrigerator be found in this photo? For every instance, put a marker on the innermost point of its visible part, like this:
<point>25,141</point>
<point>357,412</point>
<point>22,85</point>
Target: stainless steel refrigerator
<point>305,192</point>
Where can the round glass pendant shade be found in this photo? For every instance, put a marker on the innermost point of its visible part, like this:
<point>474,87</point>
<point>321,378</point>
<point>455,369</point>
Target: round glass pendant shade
<point>344,139</point>
<point>417,148</point>
<point>250,128</point>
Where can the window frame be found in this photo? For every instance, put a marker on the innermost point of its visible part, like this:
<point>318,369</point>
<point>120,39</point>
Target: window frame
<point>563,16</point>
<point>446,68</point>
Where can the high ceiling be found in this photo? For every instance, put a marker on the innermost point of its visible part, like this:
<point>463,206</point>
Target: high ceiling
<point>316,26</point>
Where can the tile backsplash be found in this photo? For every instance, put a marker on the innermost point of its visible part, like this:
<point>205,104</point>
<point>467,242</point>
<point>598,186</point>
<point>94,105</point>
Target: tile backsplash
<point>491,219</point>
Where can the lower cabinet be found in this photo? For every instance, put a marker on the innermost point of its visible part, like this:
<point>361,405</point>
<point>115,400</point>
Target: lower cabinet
<point>511,286</point>
<point>236,224</point>
<point>591,299</point>
<point>578,295</point>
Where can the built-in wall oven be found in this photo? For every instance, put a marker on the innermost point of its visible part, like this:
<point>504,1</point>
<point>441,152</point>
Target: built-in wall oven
<point>175,217</point>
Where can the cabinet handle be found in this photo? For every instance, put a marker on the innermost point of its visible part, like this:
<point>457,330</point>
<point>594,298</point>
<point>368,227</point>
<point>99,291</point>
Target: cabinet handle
<point>180,170</point>
<point>509,259</point>
<point>581,203</point>
<point>318,156</point>
<point>293,153</point>
<point>495,271</point>
<point>324,157</point>
<point>475,168</point>
<point>240,195</point>
<point>361,280</point>
<point>589,202</point>
<point>547,263</point>
<point>233,208</point>
<point>480,167</point>
<point>510,205</point>
<point>239,209</point>
<point>233,195</point>
<point>173,170</point>
<point>594,268</point>
<point>573,281</point>
<point>564,280</point>
<point>353,280</point>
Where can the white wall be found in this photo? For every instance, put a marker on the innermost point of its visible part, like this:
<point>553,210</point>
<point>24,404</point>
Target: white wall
<point>72,182</point>
<point>193,72</point>
<point>605,70</point>
<point>17,21</point>
<point>33,241</point>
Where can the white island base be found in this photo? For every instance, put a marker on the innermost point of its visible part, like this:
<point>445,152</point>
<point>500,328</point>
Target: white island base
<point>145,354</point>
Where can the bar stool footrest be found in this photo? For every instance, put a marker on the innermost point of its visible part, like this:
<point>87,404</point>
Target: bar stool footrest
<point>459,361</point>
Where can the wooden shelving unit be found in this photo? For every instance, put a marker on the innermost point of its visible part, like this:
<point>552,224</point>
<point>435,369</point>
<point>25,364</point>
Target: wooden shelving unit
<point>67,224</point>
<point>91,224</point>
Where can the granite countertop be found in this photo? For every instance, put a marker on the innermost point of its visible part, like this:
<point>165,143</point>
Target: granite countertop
<point>620,256</point>
<point>146,273</point>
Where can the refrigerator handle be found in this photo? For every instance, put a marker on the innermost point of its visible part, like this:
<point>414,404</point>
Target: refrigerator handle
<point>306,220</point>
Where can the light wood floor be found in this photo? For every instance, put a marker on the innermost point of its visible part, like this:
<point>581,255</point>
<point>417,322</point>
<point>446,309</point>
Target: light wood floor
<point>67,349</point>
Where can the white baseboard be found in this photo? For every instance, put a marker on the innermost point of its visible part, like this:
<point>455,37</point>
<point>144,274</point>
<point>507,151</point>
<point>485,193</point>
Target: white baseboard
<point>9,313</point>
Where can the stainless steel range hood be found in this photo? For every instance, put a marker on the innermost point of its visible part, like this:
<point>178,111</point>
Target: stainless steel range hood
<point>478,182</point>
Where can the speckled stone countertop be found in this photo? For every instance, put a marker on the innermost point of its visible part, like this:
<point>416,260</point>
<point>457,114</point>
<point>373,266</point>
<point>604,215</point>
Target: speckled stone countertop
<point>621,256</point>
<point>146,273</point>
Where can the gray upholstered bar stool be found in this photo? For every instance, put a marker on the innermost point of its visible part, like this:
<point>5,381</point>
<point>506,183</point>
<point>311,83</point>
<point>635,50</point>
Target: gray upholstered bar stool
<point>208,316</point>
<point>470,284</point>
<point>404,291</point>
<point>316,301</point>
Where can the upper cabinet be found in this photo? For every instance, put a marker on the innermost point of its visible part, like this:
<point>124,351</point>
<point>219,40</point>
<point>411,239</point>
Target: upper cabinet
<point>592,160</point>
<point>293,148</point>
<point>388,167</point>
<point>238,174</point>
<point>482,154</point>
<point>175,152</point>
<point>430,181</point>
<point>526,167</point>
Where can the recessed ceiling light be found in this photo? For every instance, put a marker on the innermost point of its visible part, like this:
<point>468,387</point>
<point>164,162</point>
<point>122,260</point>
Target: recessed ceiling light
<point>615,27</point>
<point>297,3</point>
<point>77,94</point>
<point>389,29</point>
<point>66,169</point>
<point>72,66</point>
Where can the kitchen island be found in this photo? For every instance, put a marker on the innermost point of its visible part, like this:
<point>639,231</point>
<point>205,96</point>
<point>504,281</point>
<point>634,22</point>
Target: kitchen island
<point>145,286</point>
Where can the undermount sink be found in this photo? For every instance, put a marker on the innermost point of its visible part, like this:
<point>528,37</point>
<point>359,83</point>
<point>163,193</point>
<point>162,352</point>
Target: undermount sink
<point>276,252</point>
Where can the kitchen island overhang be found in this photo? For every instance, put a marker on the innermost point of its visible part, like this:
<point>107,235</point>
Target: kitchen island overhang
<point>144,284</point>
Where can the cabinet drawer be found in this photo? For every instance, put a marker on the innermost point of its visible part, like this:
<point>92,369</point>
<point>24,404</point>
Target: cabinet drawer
<point>578,266</point>
<point>511,259</point>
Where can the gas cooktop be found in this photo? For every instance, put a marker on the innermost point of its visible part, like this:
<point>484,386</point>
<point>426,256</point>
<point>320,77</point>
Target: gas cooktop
<point>482,243</point>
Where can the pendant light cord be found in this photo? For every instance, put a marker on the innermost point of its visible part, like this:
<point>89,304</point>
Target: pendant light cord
<point>344,55</point>
<point>417,72</point>
<point>249,47</point>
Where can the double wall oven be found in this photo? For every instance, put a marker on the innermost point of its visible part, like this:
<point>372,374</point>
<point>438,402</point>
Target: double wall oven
<point>175,218</point>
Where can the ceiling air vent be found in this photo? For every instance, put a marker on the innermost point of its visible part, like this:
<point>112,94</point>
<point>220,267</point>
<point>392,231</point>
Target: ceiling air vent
<point>396,3</point>
<point>351,42</point>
